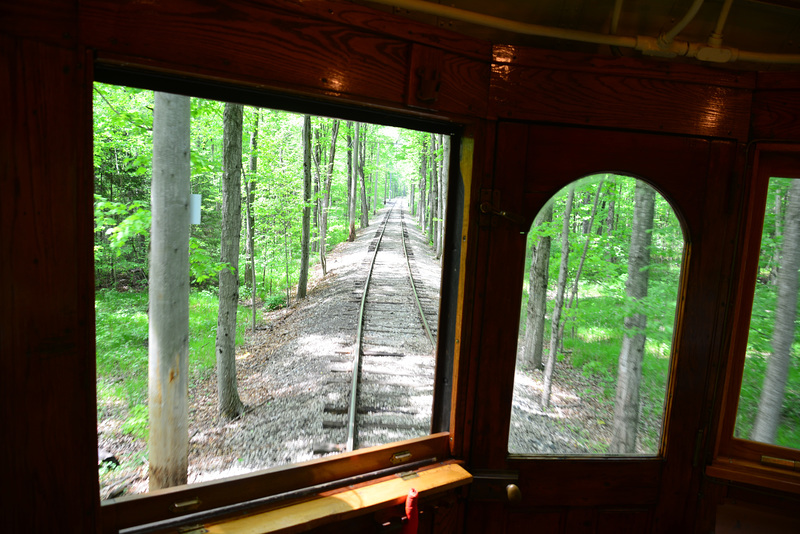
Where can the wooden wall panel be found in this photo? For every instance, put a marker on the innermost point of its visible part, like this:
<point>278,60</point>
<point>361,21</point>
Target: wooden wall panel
<point>587,482</point>
<point>47,367</point>
<point>245,41</point>
<point>614,94</point>
<point>49,21</point>
<point>776,107</point>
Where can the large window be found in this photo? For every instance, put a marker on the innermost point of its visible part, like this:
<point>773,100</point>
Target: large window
<point>312,194</point>
<point>599,298</point>
<point>760,430</point>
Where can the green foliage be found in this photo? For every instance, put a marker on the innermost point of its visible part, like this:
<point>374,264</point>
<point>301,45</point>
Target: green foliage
<point>122,342</point>
<point>202,266</point>
<point>138,422</point>
<point>274,302</point>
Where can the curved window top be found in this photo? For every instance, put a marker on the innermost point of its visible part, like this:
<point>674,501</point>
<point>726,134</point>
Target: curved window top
<point>596,327</point>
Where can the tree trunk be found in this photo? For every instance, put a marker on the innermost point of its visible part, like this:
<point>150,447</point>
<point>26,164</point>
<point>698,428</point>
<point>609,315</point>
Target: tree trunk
<point>360,170</point>
<point>326,197</point>
<point>423,178</point>
<point>305,240</point>
<point>444,169</point>
<point>559,301</point>
<point>587,231</point>
<point>375,179</point>
<point>772,394</point>
<point>629,371</point>
<point>250,194</point>
<point>230,406</point>
<point>773,275</point>
<point>537,297</point>
<point>433,193</point>
<point>352,173</point>
<point>168,346</point>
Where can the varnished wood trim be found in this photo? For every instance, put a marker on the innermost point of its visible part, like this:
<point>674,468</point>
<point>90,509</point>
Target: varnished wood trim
<point>147,508</point>
<point>735,470</point>
<point>338,506</point>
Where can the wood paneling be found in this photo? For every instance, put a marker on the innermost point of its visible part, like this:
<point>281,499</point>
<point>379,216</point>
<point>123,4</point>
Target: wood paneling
<point>47,367</point>
<point>48,21</point>
<point>588,482</point>
<point>776,107</point>
<point>618,97</point>
<point>258,44</point>
<point>138,509</point>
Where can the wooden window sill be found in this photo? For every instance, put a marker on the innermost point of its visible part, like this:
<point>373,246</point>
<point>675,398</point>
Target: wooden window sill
<point>746,472</point>
<point>345,503</point>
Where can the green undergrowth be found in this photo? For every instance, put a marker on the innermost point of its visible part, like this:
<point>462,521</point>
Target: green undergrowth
<point>122,346</point>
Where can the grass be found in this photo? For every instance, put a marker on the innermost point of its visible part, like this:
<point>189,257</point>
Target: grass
<point>122,338</point>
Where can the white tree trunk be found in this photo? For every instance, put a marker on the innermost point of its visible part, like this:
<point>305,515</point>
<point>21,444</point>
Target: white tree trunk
<point>772,394</point>
<point>168,345</point>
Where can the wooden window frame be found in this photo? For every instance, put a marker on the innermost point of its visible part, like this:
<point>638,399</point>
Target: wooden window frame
<point>145,511</point>
<point>737,459</point>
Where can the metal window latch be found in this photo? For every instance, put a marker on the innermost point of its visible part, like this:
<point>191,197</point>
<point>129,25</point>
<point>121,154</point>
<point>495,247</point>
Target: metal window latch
<point>487,208</point>
<point>491,485</point>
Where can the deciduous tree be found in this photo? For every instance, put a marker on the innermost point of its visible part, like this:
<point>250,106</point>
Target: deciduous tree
<point>559,300</point>
<point>230,406</point>
<point>629,370</point>
<point>772,394</point>
<point>168,343</point>
<point>302,284</point>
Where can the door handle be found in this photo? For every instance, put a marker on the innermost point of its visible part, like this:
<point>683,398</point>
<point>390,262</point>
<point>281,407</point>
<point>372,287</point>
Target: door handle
<point>513,493</point>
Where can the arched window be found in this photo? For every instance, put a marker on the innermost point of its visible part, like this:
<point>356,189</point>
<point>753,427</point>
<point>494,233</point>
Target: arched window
<point>602,272</point>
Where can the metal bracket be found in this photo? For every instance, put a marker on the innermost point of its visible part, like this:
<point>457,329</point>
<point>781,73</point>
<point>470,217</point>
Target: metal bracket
<point>490,205</point>
<point>490,485</point>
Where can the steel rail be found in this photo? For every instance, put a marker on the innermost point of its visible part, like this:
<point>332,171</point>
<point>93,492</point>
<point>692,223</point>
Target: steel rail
<point>413,285</point>
<point>351,414</point>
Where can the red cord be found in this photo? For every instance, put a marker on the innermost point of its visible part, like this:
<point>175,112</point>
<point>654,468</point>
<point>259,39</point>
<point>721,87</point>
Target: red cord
<point>412,513</point>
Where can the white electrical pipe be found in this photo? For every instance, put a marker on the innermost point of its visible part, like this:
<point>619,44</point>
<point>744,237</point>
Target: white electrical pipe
<point>647,45</point>
<point>666,38</point>
<point>615,16</point>
<point>498,23</point>
<point>715,39</point>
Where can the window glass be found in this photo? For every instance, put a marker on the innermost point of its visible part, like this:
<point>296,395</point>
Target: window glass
<point>599,300</point>
<point>769,401</point>
<point>283,395</point>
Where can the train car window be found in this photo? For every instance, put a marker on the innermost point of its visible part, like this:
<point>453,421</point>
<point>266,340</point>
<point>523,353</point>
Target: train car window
<point>770,393</point>
<point>308,241</point>
<point>759,432</point>
<point>599,300</point>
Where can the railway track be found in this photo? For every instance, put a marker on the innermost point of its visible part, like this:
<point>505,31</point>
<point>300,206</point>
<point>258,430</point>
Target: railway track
<point>381,390</point>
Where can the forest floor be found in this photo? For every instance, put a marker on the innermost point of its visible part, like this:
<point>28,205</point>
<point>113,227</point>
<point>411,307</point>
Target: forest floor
<point>282,368</point>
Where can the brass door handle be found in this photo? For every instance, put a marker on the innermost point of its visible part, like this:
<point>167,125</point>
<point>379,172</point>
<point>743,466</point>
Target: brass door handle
<point>513,493</point>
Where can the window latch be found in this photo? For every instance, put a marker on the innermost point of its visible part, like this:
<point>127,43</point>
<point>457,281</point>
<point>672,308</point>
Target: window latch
<point>487,208</point>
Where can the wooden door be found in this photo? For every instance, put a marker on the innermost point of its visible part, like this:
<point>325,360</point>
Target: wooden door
<point>600,493</point>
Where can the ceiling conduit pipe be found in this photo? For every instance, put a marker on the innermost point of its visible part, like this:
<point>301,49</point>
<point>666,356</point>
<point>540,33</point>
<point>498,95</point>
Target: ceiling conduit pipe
<point>615,16</point>
<point>716,36</point>
<point>665,39</point>
<point>654,46</point>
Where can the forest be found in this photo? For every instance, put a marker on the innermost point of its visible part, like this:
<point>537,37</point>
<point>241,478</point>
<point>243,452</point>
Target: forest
<point>274,192</point>
<point>600,294</point>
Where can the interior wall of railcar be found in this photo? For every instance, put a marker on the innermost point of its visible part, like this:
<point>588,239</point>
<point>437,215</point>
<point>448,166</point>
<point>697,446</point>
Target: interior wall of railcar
<point>49,48</point>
